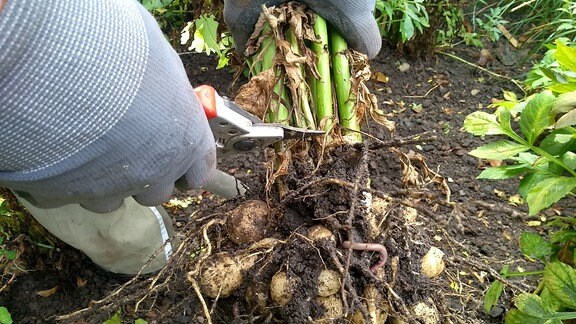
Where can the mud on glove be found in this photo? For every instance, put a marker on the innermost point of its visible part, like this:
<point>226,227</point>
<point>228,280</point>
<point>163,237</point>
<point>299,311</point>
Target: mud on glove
<point>95,106</point>
<point>354,19</point>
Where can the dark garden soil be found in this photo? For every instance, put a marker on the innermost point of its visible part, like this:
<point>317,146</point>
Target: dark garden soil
<point>472,223</point>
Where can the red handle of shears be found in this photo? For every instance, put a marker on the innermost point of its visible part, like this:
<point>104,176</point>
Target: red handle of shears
<point>207,96</point>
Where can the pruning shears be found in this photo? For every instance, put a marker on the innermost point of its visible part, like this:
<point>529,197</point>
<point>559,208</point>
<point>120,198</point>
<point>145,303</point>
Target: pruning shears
<point>237,131</point>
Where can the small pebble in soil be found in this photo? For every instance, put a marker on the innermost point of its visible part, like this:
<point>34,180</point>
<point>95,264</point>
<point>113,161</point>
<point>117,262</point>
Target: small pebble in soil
<point>428,148</point>
<point>460,152</point>
<point>471,160</point>
<point>488,189</point>
<point>404,67</point>
<point>496,311</point>
<point>407,124</point>
<point>466,143</point>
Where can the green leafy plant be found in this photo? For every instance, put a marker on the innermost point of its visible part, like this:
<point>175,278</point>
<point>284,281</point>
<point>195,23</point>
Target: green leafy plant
<point>206,38</point>
<point>5,317</point>
<point>452,26</point>
<point>117,319</point>
<point>156,4</point>
<point>546,20</point>
<point>491,22</point>
<point>399,20</point>
<point>555,298</point>
<point>535,22</point>
<point>542,151</point>
<point>6,218</point>
<point>549,72</point>
<point>174,15</point>
<point>537,142</point>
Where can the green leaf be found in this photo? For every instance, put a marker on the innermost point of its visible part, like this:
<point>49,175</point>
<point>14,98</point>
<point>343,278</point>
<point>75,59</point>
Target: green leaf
<point>206,35</point>
<point>114,319</point>
<point>9,254</point>
<point>492,295</point>
<point>536,116</point>
<point>534,246</point>
<point>564,103</point>
<point>140,321</point>
<point>563,87</point>
<point>519,108</point>
<point>407,30</point>
<point>560,279</point>
<point>531,305</point>
<point>569,158</point>
<point>155,4</point>
<point>5,317</point>
<point>529,181</point>
<point>515,316</point>
<point>566,56</point>
<point>499,150</point>
<point>550,301</point>
<point>548,191</point>
<point>481,123</point>
<point>526,158</point>
<point>509,96</point>
<point>504,120</point>
<point>559,142</point>
<point>503,172</point>
<point>563,236</point>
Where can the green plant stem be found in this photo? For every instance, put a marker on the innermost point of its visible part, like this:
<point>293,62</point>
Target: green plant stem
<point>268,54</point>
<point>522,274</point>
<point>323,86</point>
<point>347,114</point>
<point>540,151</point>
<point>278,112</point>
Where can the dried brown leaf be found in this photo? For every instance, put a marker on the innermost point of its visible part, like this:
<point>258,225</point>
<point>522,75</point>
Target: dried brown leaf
<point>47,292</point>
<point>417,173</point>
<point>380,77</point>
<point>276,167</point>
<point>255,96</point>
<point>485,57</point>
<point>495,163</point>
<point>81,283</point>
<point>410,174</point>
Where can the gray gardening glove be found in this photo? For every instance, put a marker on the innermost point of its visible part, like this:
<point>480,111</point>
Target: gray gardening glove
<point>354,19</point>
<point>96,107</point>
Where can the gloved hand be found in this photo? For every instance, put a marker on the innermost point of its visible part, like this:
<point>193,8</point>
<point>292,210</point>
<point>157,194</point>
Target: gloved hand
<point>353,19</point>
<point>96,111</point>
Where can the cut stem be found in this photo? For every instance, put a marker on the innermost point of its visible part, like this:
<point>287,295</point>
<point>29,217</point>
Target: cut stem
<point>347,114</point>
<point>323,86</point>
<point>278,112</point>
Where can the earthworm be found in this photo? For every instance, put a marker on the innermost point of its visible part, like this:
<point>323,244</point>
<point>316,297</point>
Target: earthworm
<point>369,247</point>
